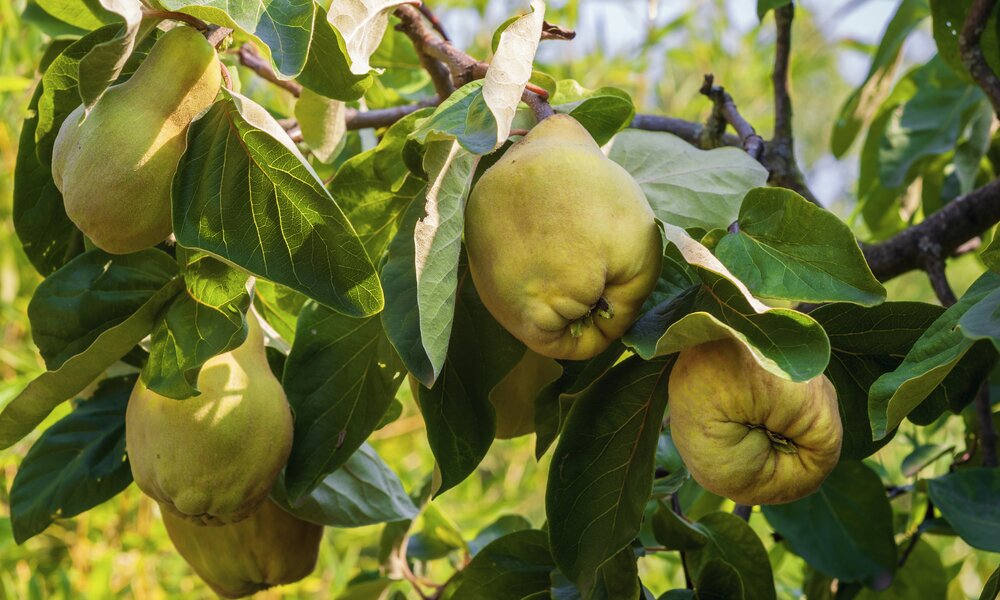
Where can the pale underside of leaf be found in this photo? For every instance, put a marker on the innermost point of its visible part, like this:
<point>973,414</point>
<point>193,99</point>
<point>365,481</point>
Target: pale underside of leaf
<point>510,68</point>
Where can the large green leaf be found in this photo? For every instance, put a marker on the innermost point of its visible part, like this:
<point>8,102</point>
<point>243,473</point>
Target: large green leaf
<point>280,306</point>
<point>463,116</point>
<point>686,186</point>
<point>363,491</point>
<point>205,321</point>
<point>929,123</point>
<point>78,463</point>
<point>982,320</point>
<point>866,343</point>
<point>948,17</point>
<point>967,499</point>
<point>91,294</point>
<point>602,112</point>
<point>510,568</point>
<point>844,529</point>
<point>789,248</point>
<point>29,408</point>
<point>284,26</point>
<point>84,14</point>
<point>104,62</point>
<point>244,193</point>
<point>674,532</point>
<point>732,542</point>
<point>938,351</point>
<point>340,377</point>
<point>922,576</point>
<point>861,105</point>
<point>714,306</point>
<point>327,68</point>
<point>457,411</point>
<point>602,469</point>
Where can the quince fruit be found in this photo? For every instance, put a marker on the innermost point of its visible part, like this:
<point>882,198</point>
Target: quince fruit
<point>269,548</point>
<point>747,434</point>
<point>562,244</point>
<point>115,166</point>
<point>213,458</point>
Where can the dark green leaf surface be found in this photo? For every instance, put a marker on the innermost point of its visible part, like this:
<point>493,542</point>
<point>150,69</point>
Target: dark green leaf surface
<point>732,542</point>
<point>205,321</point>
<point>968,501</point>
<point>948,17</point>
<point>921,577</point>
<point>844,529</point>
<point>463,116</point>
<point>602,112</point>
<point>674,532</point>
<point>78,463</point>
<point>866,343</point>
<point>788,248</point>
<point>505,525</point>
<point>327,68</point>
<point>91,294</point>
<point>509,568</point>
<point>243,192</point>
<point>929,361</point>
<point>340,377</point>
<point>602,469</point>
<point>363,491</point>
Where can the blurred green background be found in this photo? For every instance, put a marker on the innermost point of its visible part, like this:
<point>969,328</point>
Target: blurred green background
<point>120,549</point>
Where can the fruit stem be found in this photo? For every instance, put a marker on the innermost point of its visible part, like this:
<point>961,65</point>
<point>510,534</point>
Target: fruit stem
<point>778,441</point>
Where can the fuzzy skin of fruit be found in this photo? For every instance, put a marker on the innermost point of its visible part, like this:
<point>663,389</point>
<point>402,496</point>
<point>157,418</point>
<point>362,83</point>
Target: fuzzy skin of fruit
<point>562,244</point>
<point>269,548</point>
<point>747,434</point>
<point>115,167</point>
<point>213,458</point>
<point>513,398</point>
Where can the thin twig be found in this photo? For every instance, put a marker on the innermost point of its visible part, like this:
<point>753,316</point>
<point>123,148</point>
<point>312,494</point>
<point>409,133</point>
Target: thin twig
<point>383,117</point>
<point>538,105</point>
<point>226,77</point>
<point>555,32</point>
<point>972,52</point>
<point>675,505</point>
<point>725,107</point>
<point>743,511</point>
<point>987,432</point>
<point>928,515</point>
<point>435,22</point>
<point>217,35</point>
<point>250,58</point>
<point>934,265</point>
<point>170,15</point>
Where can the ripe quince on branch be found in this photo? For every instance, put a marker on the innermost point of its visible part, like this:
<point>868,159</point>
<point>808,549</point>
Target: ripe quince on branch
<point>115,166</point>
<point>747,434</point>
<point>269,548</point>
<point>562,244</point>
<point>213,458</point>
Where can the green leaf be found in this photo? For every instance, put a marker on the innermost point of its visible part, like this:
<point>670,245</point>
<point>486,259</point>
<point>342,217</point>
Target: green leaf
<point>437,239</point>
<point>896,393</point>
<point>505,525</point>
<point>967,499</point>
<point>49,239</point>
<point>104,62</point>
<point>602,112</point>
<point>674,532</point>
<point>982,320</point>
<point>205,321</point>
<point>992,588</point>
<point>990,255</point>
<point>280,306</point>
<point>91,294</point>
<point>732,541</point>
<point>602,469</point>
<point>84,14</point>
<point>686,186</point>
<point>285,28</point>
<point>713,306</point>
<point>922,576</point>
<point>789,248</point>
<point>457,411</point>
<point>363,491</point>
<point>401,317</point>
<point>929,123</point>
<point>340,377</point>
<point>866,343</point>
<point>463,116</point>
<point>861,105</point>
<point>763,6</point>
<point>375,188</point>
<point>76,464</point>
<point>948,17</point>
<point>844,529</point>
<point>509,568</point>
<point>245,194</point>
<point>29,408</point>
<point>719,580</point>
<point>327,68</point>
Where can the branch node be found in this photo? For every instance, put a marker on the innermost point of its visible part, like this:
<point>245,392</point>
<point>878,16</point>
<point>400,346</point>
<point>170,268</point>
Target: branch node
<point>724,111</point>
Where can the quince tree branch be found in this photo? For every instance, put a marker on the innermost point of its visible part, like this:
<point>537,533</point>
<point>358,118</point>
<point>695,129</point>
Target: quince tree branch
<point>972,51</point>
